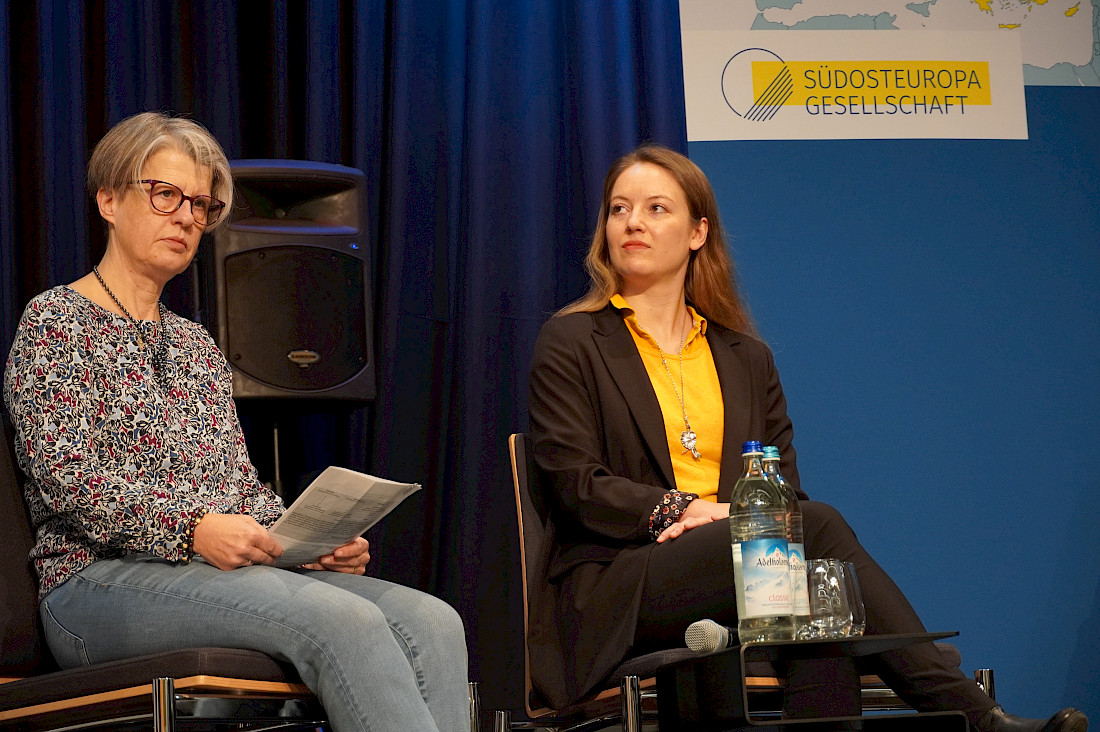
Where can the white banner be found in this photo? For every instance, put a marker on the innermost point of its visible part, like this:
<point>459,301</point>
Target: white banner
<point>815,85</point>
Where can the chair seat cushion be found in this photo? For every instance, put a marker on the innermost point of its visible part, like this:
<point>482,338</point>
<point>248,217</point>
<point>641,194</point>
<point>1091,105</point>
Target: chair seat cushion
<point>646,666</point>
<point>102,677</point>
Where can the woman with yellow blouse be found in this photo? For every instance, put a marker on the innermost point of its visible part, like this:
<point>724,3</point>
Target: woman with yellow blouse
<point>642,393</point>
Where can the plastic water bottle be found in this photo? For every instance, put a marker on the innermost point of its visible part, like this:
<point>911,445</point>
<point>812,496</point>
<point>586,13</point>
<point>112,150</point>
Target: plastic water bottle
<point>796,547</point>
<point>761,570</point>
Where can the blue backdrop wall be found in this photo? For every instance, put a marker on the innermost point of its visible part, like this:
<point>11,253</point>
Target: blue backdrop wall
<point>932,306</point>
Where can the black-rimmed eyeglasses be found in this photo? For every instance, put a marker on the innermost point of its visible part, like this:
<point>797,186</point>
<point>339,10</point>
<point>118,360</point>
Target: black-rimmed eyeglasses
<point>167,198</point>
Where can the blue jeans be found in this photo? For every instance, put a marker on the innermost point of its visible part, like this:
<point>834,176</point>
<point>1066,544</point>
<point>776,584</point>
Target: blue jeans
<point>378,655</point>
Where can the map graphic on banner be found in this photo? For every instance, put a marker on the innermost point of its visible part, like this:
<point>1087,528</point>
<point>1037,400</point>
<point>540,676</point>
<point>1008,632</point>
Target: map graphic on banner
<point>1060,39</point>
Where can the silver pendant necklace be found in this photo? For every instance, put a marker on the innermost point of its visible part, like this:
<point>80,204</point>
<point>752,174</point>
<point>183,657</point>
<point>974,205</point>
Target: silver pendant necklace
<point>687,437</point>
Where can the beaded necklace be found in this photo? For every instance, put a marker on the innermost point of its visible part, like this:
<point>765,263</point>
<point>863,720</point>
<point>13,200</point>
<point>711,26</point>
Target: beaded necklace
<point>158,354</point>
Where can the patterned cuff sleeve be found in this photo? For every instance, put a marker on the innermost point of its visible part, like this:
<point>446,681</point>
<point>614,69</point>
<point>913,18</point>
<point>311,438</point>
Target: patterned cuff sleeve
<point>668,511</point>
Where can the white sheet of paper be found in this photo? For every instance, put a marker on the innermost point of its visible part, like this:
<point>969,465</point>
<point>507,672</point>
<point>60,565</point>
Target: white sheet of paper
<point>339,505</point>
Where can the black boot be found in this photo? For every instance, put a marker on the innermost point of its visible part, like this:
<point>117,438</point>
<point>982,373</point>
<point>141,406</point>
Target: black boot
<point>1067,720</point>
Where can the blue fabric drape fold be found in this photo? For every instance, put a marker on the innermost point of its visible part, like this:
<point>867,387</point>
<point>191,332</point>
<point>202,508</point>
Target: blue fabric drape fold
<point>8,268</point>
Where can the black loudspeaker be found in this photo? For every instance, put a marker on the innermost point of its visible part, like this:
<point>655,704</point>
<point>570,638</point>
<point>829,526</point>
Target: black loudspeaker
<point>292,282</point>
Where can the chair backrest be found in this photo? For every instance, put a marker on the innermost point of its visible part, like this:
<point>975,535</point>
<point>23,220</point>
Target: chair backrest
<point>20,643</point>
<point>531,514</point>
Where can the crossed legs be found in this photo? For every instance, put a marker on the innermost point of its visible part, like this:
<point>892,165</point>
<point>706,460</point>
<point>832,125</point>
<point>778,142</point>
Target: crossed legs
<point>691,578</point>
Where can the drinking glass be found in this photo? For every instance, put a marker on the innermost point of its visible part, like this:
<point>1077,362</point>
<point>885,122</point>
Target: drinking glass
<point>855,600</point>
<point>830,615</point>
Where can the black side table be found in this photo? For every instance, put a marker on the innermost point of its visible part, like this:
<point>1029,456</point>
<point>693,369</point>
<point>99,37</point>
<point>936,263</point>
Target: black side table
<point>710,694</point>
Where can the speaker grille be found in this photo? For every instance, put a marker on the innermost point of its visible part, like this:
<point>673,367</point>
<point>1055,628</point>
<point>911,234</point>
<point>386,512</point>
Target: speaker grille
<point>297,316</point>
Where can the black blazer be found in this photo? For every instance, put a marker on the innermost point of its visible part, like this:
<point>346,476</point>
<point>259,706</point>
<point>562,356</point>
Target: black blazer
<point>604,464</point>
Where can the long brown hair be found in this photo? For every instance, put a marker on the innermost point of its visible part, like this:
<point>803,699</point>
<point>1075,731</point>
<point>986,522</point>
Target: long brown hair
<point>711,282</point>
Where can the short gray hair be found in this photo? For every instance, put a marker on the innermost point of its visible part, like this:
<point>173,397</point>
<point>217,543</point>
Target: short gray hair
<point>119,157</point>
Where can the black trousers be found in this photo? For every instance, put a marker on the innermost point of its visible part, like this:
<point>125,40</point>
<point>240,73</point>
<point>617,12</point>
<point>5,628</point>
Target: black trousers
<point>691,578</point>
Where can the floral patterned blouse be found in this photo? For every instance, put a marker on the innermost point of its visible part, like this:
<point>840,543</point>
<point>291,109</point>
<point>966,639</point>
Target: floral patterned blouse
<point>117,461</point>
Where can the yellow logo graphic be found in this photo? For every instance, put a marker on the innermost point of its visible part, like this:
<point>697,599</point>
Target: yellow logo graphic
<point>756,84</point>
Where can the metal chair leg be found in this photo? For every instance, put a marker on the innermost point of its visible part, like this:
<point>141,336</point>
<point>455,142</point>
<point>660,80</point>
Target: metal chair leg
<point>502,720</point>
<point>164,705</point>
<point>475,706</point>
<point>631,694</point>
<point>984,678</point>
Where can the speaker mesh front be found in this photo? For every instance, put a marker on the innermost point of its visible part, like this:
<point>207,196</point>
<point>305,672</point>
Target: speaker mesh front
<point>296,300</point>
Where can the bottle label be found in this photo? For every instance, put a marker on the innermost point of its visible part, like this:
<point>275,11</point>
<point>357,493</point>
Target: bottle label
<point>762,577</point>
<point>800,598</point>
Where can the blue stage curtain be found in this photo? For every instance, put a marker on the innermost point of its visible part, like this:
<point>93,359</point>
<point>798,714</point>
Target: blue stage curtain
<point>484,129</point>
<point>8,267</point>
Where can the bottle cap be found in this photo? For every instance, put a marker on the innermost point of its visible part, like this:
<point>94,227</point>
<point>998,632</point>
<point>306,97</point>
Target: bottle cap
<point>751,446</point>
<point>771,452</point>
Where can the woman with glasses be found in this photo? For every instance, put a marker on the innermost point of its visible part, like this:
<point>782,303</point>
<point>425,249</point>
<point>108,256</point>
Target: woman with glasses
<point>150,519</point>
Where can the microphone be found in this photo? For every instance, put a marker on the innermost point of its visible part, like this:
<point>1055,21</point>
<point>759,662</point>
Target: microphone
<point>708,636</point>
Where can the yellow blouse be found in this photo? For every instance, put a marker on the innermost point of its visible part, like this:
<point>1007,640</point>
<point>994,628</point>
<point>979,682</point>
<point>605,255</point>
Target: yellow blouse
<point>702,401</point>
